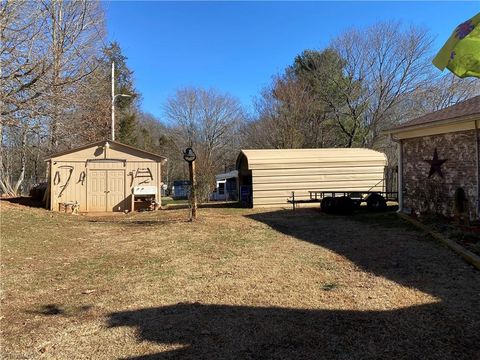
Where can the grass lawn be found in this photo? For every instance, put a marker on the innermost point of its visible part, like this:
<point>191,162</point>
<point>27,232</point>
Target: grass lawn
<point>236,284</point>
<point>166,200</point>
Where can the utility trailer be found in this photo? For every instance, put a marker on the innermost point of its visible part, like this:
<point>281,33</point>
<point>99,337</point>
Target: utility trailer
<point>344,201</point>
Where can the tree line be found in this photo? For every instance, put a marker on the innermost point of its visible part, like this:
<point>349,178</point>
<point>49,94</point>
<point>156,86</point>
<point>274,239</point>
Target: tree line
<point>55,85</point>
<point>55,71</point>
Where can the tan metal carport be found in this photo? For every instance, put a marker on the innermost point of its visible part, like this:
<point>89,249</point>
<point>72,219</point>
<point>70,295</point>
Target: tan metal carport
<point>271,175</point>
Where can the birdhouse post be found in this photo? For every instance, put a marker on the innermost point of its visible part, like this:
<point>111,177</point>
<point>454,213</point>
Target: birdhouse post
<point>190,156</point>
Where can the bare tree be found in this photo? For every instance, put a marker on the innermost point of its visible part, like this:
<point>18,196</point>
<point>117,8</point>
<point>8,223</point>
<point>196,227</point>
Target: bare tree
<point>22,61</point>
<point>22,67</point>
<point>207,121</point>
<point>442,92</point>
<point>383,65</point>
<point>288,116</point>
<point>156,137</point>
<point>74,31</point>
<point>47,49</point>
<point>367,80</point>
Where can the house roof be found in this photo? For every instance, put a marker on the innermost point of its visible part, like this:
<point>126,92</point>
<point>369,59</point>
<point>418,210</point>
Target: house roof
<point>228,175</point>
<point>461,111</point>
<point>101,143</point>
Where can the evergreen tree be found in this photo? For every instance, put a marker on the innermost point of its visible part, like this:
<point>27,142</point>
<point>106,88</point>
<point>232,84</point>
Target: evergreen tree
<point>125,107</point>
<point>127,129</point>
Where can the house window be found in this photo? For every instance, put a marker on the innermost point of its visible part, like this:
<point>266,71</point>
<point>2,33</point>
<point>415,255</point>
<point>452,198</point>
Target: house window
<point>221,188</point>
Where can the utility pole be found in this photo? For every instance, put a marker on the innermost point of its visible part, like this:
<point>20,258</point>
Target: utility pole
<point>114,97</point>
<point>113,101</point>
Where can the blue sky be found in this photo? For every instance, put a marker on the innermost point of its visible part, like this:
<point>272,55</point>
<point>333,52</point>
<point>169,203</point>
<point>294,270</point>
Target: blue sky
<point>236,47</point>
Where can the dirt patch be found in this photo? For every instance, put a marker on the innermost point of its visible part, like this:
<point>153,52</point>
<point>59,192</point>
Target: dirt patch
<point>237,283</point>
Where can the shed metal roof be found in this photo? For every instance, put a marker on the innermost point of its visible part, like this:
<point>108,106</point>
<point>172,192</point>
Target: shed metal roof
<point>101,143</point>
<point>227,175</point>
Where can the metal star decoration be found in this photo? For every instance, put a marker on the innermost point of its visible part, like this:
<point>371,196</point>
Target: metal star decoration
<point>435,164</point>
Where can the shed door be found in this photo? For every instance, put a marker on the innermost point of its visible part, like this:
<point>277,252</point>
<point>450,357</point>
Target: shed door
<point>106,190</point>
<point>97,190</point>
<point>116,190</point>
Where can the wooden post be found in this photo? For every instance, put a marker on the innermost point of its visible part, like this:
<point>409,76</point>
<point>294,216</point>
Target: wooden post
<point>193,189</point>
<point>190,156</point>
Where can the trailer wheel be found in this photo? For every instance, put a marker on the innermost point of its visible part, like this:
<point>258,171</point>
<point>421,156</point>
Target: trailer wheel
<point>327,205</point>
<point>356,200</point>
<point>356,203</point>
<point>343,205</point>
<point>376,202</point>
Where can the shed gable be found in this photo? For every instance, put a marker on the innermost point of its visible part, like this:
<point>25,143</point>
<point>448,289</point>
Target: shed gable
<point>100,150</point>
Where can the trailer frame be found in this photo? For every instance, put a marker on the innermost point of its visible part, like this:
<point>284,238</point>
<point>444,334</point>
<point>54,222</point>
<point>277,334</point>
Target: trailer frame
<point>316,196</point>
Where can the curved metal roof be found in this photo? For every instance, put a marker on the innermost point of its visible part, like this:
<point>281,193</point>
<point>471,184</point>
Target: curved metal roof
<point>290,158</point>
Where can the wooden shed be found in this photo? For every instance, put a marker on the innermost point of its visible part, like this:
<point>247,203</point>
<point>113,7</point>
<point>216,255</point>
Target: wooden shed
<point>268,177</point>
<point>438,154</point>
<point>101,177</point>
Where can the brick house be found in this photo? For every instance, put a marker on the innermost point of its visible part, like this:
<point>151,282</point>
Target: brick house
<point>437,154</point>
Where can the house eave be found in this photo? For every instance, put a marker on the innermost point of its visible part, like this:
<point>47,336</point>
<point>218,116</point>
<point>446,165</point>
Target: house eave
<point>433,124</point>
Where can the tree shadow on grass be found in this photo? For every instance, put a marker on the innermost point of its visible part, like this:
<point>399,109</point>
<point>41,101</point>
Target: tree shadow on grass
<point>446,329</point>
<point>59,310</point>
<point>384,245</point>
<point>241,332</point>
<point>50,310</point>
<point>24,201</point>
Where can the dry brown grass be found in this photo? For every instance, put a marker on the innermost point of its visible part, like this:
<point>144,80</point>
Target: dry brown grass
<point>235,284</point>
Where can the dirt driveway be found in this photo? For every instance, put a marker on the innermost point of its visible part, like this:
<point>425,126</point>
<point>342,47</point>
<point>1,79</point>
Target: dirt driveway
<point>237,284</point>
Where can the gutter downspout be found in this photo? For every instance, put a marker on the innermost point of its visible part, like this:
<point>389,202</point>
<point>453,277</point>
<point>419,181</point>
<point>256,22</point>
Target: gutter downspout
<point>400,172</point>
<point>477,147</point>
<point>400,176</point>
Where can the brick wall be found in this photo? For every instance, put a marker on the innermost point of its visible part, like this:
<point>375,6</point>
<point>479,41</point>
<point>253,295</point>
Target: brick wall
<point>437,194</point>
